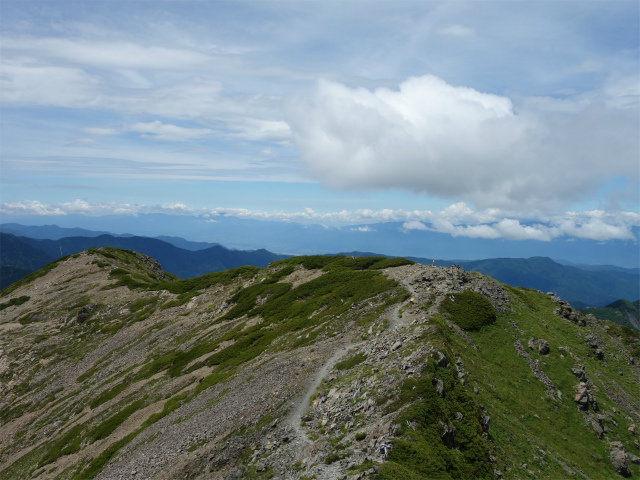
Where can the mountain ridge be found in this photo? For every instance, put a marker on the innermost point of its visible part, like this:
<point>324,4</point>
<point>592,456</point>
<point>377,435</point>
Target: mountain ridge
<point>110,367</point>
<point>181,262</point>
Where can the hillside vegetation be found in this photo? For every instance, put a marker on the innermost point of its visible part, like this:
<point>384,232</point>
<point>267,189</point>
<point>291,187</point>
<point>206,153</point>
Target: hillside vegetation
<point>313,367</point>
<point>622,312</point>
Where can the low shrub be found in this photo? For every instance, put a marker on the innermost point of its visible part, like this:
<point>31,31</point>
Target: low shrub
<point>351,362</point>
<point>469,310</point>
<point>14,301</point>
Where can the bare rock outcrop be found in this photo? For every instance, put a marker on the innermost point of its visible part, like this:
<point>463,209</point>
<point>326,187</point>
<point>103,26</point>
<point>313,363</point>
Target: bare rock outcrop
<point>619,459</point>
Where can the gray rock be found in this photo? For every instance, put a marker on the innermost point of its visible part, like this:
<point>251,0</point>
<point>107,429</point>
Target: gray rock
<point>442,361</point>
<point>543,347</point>
<point>485,422</point>
<point>591,340</point>
<point>579,372</point>
<point>439,386</point>
<point>85,312</point>
<point>448,434</point>
<point>619,459</point>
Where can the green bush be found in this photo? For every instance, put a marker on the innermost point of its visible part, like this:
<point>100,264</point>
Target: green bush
<point>14,301</point>
<point>351,362</point>
<point>469,310</point>
<point>110,424</point>
<point>419,451</point>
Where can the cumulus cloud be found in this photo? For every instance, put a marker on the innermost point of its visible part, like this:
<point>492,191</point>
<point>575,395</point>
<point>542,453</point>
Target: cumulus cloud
<point>414,225</point>
<point>457,220</point>
<point>458,143</point>
<point>30,207</point>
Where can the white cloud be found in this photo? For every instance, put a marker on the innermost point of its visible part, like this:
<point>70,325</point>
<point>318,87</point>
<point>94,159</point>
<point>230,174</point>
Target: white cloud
<point>106,55</point>
<point>100,131</point>
<point>594,225</point>
<point>458,143</point>
<point>159,131</point>
<point>29,207</point>
<point>414,225</point>
<point>64,86</point>
<point>366,228</point>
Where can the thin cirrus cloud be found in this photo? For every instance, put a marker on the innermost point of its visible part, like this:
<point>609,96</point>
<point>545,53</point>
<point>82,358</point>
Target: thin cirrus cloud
<point>159,131</point>
<point>457,220</point>
<point>458,143</point>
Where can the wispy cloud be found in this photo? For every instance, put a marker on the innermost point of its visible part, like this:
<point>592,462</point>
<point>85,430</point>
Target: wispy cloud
<point>159,131</point>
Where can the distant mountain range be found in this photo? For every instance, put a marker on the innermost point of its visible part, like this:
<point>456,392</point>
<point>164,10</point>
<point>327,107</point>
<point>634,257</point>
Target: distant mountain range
<point>29,254</point>
<point>25,249</point>
<point>580,287</point>
<point>54,232</point>
<point>390,238</point>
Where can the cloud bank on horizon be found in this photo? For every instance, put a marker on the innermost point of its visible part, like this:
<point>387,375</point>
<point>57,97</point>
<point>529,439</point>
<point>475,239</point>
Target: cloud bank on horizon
<point>457,220</point>
<point>476,119</point>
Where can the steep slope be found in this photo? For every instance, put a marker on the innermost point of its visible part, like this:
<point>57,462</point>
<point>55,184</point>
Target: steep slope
<point>622,312</point>
<point>315,366</point>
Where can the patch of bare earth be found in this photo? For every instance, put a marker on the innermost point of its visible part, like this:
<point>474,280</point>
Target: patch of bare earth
<point>302,275</point>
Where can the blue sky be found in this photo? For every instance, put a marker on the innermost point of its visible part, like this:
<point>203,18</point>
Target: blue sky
<point>480,119</point>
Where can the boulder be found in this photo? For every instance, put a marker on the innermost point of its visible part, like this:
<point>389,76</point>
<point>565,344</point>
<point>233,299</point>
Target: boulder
<point>85,312</point>
<point>442,361</point>
<point>591,340</point>
<point>584,398</point>
<point>619,459</point>
<point>578,371</point>
<point>448,434</point>
<point>485,422</point>
<point>439,386</point>
<point>543,347</point>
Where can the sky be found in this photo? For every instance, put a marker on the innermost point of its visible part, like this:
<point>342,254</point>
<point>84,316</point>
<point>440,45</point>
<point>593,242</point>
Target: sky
<point>515,120</point>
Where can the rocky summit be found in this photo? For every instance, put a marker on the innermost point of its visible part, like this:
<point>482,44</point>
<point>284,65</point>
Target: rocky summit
<point>313,367</point>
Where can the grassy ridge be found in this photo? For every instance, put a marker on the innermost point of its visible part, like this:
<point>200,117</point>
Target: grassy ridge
<point>288,318</point>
